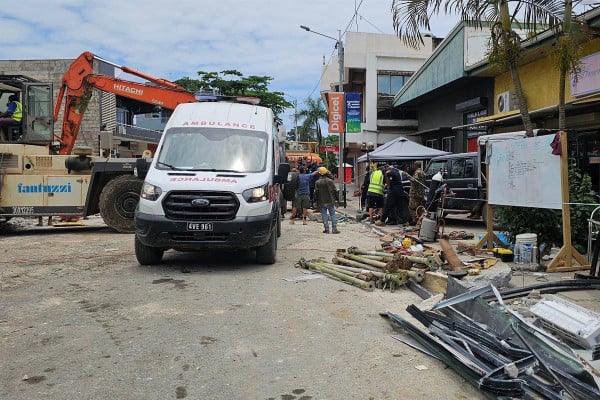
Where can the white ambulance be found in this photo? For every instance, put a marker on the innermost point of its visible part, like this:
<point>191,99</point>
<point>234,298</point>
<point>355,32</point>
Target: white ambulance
<point>214,182</point>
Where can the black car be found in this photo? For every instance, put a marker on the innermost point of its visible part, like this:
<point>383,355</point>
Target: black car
<point>460,172</point>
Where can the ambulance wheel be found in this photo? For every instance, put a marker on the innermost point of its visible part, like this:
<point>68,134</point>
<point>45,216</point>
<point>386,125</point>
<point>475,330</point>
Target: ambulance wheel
<point>147,255</point>
<point>118,201</point>
<point>266,253</point>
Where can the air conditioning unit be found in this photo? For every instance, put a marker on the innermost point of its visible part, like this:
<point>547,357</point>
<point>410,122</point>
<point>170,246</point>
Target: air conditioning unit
<point>506,101</point>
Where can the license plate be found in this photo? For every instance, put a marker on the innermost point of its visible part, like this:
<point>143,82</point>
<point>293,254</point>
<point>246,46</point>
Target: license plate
<point>199,226</point>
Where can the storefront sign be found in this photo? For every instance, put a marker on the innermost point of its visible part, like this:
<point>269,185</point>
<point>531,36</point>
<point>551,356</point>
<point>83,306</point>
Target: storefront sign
<point>330,149</point>
<point>353,113</point>
<point>471,118</point>
<point>336,112</point>
<point>588,79</point>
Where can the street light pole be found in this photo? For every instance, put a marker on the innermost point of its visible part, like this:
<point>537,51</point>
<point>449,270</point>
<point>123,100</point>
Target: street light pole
<point>340,47</point>
<point>342,142</point>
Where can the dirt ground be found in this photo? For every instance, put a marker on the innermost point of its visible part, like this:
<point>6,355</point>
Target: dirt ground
<point>81,319</point>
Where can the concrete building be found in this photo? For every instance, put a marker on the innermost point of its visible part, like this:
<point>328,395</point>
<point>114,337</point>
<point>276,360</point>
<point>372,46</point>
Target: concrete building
<point>376,66</point>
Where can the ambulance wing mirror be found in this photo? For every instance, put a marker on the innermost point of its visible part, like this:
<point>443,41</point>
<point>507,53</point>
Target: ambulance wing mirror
<point>142,165</point>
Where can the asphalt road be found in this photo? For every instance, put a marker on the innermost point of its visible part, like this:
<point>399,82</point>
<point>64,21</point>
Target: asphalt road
<point>80,319</point>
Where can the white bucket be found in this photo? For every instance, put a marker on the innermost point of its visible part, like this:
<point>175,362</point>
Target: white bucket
<point>525,245</point>
<point>428,230</point>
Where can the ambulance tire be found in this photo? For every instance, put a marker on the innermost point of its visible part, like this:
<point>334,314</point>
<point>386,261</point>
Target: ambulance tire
<point>118,201</point>
<point>266,253</point>
<point>147,255</point>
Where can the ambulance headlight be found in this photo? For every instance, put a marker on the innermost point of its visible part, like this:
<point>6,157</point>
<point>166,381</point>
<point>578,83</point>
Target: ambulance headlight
<point>256,194</point>
<point>150,192</point>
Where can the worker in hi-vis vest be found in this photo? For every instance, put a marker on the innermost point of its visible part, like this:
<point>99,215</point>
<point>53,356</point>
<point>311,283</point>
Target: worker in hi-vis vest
<point>12,115</point>
<point>375,192</point>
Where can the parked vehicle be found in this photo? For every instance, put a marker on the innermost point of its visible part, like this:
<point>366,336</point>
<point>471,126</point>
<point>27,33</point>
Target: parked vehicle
<point>460,173</point>
<point>214,182</point>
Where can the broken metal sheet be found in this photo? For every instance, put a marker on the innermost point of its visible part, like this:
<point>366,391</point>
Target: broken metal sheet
<point>419,290</point>
<point>470,295</point>
<point>409,341</point>
<point>507,357</point>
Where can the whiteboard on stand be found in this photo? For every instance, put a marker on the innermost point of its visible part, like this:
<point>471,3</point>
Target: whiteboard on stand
<point>524,173</point>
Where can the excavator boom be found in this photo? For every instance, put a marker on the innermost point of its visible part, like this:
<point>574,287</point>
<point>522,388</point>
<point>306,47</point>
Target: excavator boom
<point>80,80</point>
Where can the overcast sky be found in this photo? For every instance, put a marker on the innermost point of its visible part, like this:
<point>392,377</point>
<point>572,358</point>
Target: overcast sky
<point>177,38</point>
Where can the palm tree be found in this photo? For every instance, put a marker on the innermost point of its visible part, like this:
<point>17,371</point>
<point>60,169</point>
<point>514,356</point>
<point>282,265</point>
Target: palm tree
<point>567,53</point>
<point>410,16</point>
<point>312,115</point>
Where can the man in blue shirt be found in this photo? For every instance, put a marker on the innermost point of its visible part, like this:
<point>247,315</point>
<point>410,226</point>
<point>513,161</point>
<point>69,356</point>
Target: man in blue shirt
<point>302,199</point>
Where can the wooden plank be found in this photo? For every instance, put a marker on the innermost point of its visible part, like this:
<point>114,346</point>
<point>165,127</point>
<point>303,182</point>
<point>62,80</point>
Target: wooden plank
<point>450,255</point>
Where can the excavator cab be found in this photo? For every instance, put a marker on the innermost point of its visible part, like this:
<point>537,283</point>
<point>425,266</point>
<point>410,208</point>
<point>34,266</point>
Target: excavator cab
<point>37,123</point>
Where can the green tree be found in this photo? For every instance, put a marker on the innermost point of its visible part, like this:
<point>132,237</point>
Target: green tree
<point>330,159</point>
<point>311,117</point>
<point>410,16</point>
<point>567,54</point>
<point>234,83</point>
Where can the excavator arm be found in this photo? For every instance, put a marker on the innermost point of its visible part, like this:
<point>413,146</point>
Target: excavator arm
<point>80,80</point>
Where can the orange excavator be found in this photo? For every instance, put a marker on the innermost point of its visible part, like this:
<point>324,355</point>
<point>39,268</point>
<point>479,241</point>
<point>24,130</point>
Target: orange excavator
<point>80,79</point>
<point>35,181</point>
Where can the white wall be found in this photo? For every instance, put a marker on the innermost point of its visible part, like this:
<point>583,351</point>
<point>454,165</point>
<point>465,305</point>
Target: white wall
<point>374,52</point>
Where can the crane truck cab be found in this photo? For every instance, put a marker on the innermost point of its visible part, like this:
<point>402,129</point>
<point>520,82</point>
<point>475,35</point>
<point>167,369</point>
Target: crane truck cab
<point>214,182</point>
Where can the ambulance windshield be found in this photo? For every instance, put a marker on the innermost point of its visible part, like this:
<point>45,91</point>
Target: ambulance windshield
<point>213,149</point>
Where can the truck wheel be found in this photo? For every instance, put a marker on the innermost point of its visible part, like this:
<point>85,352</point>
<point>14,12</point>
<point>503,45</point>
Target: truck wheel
<point>266,253</point>
<point>147,255</point>
<point>118,201</point>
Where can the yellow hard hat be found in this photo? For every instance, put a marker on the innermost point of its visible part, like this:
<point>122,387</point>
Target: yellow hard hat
<point>322,171</point>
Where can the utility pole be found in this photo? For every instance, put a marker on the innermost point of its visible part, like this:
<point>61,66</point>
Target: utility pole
<point>342,142</point>
<point>340,46</point>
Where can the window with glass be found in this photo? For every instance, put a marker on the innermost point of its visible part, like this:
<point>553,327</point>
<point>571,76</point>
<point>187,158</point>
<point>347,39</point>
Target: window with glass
<point>214,149</point>
<point>388,84</point>
<point>432,143</point>
<point>435,167</point>
<point>448,143</point>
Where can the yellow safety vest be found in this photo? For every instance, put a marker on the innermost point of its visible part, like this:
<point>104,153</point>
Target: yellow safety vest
<point>376,182</point>
<point>18,114</point>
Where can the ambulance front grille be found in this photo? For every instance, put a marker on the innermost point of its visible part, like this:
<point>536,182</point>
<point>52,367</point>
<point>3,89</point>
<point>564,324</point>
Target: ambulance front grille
<point>201,206</point>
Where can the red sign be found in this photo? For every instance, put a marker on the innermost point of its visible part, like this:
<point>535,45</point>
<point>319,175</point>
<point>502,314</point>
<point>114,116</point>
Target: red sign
<point>336,112</point>
<point>330,149</point>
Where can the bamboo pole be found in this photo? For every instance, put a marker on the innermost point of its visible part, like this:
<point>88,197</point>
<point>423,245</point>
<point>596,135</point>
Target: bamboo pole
<point>343,277</point>
<point>356,250</point>
<point>363,260</point>
<point>352,263</point>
